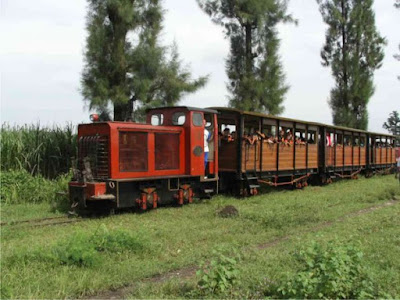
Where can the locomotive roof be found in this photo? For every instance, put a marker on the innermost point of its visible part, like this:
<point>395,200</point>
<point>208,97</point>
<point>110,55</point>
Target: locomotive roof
<point>256,114</point>
<point>190,108</point>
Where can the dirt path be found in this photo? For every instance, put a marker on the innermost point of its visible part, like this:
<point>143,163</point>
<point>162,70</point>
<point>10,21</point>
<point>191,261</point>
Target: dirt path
<point>186,272</point>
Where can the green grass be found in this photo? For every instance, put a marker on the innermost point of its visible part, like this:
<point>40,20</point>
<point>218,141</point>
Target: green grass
<point>179,237</point>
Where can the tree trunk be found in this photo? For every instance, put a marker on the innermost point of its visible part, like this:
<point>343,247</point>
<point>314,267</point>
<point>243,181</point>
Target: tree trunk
<point>249,55</point>
<point>344,54</point>
<point>120,112</point>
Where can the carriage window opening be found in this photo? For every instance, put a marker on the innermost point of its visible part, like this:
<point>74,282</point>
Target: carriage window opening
<point>311,138</point>
<point>197,119</point>
<point>269,131</point>
<point>330,139</point>
<point>157,119</point>
<point>178,118</point>
<point>362,141</point>
<point>339,139</point>
<point>300,136</point>
<point>347,140</point>
<point>227,130</point>
<point>383,142</point>
<point>356,141</point>
<point>378,142</point>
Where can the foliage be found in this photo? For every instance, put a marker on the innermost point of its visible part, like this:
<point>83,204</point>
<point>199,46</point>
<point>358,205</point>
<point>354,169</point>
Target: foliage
<point>354,50</point>
<point>327,272</point>
<point>84,250</point>
<point>21,187</point>
<point>219,275</point>
<point>38,150</point>
<point>256,78</point>
<point>393,124</point>
<point>124,61</point>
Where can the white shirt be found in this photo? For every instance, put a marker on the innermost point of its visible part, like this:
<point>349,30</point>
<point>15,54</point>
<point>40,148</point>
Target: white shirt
<point>398,162</point>
<point>206,135</point>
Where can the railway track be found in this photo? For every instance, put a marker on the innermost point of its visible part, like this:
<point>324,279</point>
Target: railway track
<point>50,221</point>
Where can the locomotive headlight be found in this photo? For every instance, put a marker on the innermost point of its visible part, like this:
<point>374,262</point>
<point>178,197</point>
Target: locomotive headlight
<point>94,117</point>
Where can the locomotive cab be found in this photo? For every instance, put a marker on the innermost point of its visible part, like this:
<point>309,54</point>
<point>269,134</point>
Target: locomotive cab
<point>127,164</point>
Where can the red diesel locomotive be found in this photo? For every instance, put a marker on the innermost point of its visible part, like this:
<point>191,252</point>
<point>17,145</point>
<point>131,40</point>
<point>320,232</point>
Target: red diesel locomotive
<point>133,165</point>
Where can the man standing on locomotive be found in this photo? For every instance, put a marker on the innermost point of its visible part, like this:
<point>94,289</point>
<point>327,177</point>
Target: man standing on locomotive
<point>206,149</point>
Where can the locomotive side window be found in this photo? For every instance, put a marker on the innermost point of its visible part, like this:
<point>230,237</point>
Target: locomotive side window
<point>133,151</point>
<point>197,119</point>
<point>166,151</point>
<point>178,118</point>
<point>157,119</point>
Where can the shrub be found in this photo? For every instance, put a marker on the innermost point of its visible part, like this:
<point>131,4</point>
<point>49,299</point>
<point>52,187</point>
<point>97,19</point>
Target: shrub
<point>332,271</point>
<point>77,251</point>
<point>219,275</point>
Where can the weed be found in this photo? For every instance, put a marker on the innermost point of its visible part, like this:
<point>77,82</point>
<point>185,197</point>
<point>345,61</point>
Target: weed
<point>117,241</point>
<point>219,275</point>
<point>331,271</point>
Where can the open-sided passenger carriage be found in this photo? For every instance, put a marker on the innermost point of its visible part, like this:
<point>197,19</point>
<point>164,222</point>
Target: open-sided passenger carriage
<point>243,165</point>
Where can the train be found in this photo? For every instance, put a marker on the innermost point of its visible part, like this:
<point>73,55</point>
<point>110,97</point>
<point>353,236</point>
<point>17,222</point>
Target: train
<point>163,161</point>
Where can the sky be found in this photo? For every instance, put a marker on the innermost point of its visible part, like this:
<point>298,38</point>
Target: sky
<point>42,44</point>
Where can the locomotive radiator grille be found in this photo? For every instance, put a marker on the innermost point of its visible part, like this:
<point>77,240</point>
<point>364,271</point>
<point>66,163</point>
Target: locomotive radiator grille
<point>95,149</point>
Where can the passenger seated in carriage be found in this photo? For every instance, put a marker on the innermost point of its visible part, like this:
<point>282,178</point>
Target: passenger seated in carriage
<point>289,137</point>
<point>298,141</point>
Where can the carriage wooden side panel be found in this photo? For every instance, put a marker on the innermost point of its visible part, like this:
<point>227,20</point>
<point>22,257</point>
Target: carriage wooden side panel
<point>285,157</point>
<point>312,156</point>
<point>348,156</point>
<point>339,156</point>
<point>269,156</point>
<point>363,156</point>
<point>301,153</point>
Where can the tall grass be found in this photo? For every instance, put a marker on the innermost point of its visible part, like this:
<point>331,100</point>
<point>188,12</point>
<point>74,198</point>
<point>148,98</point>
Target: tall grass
<point>45,151</point>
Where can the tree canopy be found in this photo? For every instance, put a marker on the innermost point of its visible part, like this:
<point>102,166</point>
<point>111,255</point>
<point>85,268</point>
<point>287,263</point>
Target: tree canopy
<point>354,50</point>
<point>256,77</point>
<point>124,61</point>
<point>393,124</point>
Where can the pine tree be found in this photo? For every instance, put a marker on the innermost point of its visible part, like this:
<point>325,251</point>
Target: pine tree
<point>124,62</point>
<point>256,78</point>
<point>354,50</point>
<point>393,124</point>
